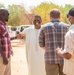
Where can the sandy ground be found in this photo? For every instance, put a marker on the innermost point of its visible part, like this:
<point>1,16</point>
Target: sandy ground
<point>18,61</point>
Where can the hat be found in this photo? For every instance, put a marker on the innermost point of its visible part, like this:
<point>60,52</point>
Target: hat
<point>71,12</point>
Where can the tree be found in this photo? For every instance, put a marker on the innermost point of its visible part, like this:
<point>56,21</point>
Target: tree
<point>15,14</point>
<point>2,5</point>
<point>43,10</point>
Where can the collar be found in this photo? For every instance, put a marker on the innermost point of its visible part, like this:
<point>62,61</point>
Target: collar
<point>3,23</point>
<point>71,27</point>
<point>54,20</point>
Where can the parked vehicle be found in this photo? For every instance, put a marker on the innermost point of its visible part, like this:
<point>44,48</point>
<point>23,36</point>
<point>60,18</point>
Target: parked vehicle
<point>22,27</point>
<point>12,31</point>
<point>9,28</point>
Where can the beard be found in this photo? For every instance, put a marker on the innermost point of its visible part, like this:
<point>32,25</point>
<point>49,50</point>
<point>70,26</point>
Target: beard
<point>6,20</point>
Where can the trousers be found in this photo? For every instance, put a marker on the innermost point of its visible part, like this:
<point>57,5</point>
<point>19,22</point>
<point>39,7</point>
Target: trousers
<point>5,69</point>
<point>54,69</point>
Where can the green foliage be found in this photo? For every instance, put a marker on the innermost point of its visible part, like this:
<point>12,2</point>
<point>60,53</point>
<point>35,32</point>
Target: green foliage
<point>44,8</point>
<point>2,5</point>
<point>15,14</point>
<point>18,14</point>
<point>64,11</point>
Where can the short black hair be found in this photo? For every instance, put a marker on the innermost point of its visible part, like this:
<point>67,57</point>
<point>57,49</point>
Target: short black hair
<point>3,11</point>
<point>71,12</point>
<point>37,16</point>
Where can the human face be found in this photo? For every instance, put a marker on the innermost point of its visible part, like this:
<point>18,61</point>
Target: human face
<point>37,22</point>
<point>71,19</point>
<point>6,16</point>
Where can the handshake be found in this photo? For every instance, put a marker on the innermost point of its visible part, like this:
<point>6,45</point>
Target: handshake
<point>18,36</point>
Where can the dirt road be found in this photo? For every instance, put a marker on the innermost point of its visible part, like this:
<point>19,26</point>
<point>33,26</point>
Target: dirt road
<point>18,61</point>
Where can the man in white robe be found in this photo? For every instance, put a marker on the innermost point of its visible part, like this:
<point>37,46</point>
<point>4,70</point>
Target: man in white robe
<point>68,52</point>
<point>35,55</point>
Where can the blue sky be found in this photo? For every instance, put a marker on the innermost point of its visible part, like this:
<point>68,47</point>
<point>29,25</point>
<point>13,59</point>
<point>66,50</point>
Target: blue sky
<point>28,3</point>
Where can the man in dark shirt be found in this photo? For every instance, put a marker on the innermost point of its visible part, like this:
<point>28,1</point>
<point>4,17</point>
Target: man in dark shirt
<point>5,44</point>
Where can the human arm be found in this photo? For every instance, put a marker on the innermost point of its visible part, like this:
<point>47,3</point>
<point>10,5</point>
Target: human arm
<point>68,51</point>
<point>13,38</point>
<point>42,40</point>
<point>3,33</point>
<point>63,54</point>
<point>22,34</point>
<point>5,60</point>
<point>43,48</point>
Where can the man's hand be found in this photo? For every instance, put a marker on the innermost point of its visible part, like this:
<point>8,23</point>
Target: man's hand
<point>63,53</point>
<point>20,36</point>
<point>12,53</point>
<point>59,51</point>
<point>5,61</point>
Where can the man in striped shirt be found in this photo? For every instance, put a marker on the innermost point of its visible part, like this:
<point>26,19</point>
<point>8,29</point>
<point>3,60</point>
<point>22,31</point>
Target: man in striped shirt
<point>5,44</point>
<point>51,37</point>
